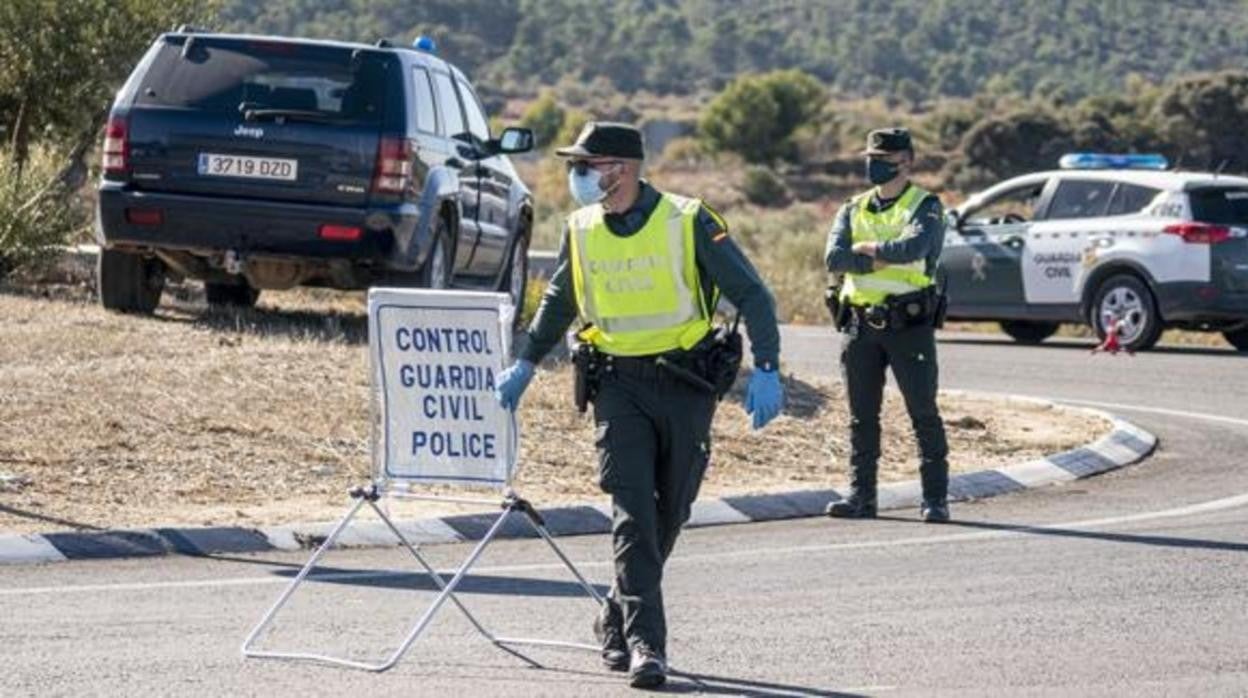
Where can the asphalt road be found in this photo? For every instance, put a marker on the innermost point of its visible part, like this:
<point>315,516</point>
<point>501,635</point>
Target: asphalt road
<point>1133,583</point>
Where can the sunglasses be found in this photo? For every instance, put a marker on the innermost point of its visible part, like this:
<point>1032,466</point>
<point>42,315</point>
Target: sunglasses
<point>583,166</point>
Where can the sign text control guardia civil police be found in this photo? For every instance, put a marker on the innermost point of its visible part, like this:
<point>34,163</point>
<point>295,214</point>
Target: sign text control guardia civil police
<point>467,384</point>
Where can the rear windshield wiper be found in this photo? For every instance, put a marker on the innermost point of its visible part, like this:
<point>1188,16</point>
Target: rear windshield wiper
<point>291,115</point>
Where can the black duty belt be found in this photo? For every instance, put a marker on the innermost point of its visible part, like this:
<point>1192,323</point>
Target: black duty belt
<point>651,367</point>
<point>902,311</point>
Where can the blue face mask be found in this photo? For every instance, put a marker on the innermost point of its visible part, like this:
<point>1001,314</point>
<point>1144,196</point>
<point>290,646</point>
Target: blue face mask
<point>586,188</point>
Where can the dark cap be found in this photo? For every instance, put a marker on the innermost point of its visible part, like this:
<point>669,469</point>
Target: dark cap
<point>605,139</point>
<point>888,140</point>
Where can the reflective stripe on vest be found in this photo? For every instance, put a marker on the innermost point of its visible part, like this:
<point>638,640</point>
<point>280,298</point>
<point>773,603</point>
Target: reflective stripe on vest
<point>641,293</point>
<point>883,226</point>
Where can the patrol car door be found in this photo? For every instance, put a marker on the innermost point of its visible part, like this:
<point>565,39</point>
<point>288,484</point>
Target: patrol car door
<point>1056,245</point>
<point>982,255</point>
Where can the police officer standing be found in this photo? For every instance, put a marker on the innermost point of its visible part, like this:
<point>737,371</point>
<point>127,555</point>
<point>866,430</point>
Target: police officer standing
<point>886,243</point>
<point>642,270</point>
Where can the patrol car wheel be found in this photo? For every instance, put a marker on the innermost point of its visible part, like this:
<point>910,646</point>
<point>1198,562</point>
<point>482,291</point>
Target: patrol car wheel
<point>516,279</point>
<point>1238,338</point>
<point>1126,299</point>
<point>129,283</point>
<point>1025,332</point>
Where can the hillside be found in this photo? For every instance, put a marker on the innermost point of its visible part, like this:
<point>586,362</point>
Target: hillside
<point>913,48</point>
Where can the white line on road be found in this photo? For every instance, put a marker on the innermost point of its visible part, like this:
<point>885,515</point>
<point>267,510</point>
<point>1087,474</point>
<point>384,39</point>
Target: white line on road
<point>1156,410</point>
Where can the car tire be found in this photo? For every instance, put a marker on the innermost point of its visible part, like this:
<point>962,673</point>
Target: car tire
<point>1028,332</point>
<point>1127,298</point>
<point>436,273</point>
<point>129,283</point>
<point>231,295</point>
<point>1238,338</point>
<point>515,280</point>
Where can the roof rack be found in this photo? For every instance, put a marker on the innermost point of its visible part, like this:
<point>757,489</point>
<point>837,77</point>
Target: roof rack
<point>191,29</point>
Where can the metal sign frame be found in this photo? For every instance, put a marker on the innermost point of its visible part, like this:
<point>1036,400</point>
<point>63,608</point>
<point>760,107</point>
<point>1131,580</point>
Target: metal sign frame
<point>386,485</point>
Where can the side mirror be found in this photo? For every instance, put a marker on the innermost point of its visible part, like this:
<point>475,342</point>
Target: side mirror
<point>511,140</point>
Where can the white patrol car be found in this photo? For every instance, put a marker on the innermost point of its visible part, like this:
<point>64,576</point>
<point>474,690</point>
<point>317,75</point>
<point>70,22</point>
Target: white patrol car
<point>1106,239</point>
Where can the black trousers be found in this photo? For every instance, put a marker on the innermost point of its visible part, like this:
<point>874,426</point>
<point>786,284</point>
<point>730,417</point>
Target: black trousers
<point>911,353</point>
<point>653,439</point>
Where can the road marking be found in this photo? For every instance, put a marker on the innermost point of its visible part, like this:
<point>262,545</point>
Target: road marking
<point>1156,410</point>
<point>1201,508</point>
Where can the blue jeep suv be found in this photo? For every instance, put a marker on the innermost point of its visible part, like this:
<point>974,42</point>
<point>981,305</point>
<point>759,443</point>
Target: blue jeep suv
<point>256,163</point>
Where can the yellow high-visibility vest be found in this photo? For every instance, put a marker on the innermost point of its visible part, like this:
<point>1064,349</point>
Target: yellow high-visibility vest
<point>640,293</point>
<point>883,226</point>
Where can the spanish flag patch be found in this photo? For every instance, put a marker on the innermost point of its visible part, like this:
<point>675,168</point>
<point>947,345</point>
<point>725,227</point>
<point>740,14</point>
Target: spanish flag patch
<point>722,233</point>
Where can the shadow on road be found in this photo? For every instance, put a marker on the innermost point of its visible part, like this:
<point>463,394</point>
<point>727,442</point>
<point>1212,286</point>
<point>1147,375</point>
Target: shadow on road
<point>471,584</point>
<point>688,682</point>
<point>1139,539</point>
<point>1086,346</point>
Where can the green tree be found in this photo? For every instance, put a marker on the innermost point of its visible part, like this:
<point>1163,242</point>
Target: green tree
<point>757,115</point>
<point>1199,119</point>
<point>61,61</point>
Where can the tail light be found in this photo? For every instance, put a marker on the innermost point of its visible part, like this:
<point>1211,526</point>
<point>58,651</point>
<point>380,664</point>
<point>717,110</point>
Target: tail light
<point>393,174</point>
<point>145,216</point>
<point>340,233</point>
<point>1199,233</point>
<point>116,158</point>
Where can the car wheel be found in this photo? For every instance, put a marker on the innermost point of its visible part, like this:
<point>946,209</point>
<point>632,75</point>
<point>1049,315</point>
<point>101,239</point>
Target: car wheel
<point>1025,332</point>
<point>234,295</point>
<point>129,283</point>
<point>436,273</point>
<point>1238,338</point>
<point>516,279</point>
<point>1126,299</point>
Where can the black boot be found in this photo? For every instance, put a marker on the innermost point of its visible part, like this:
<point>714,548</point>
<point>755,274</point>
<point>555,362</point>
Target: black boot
<point>609,629</point>
<point>935,510</point>
<point>648,669</point>
<point>860,504</point>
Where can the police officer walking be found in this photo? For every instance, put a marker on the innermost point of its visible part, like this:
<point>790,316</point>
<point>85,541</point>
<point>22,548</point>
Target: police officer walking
<point>886,243</point>
<point>642,270</point>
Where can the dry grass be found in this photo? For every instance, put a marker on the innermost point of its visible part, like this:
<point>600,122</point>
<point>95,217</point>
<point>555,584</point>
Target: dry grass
<point>206,418</point>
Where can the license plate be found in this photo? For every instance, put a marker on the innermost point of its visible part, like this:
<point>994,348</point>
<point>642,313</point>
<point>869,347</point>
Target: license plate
<point>219,165</point>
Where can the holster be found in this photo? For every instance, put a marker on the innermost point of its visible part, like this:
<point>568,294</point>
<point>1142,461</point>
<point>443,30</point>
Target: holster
<point>586,364</point>
<point>840,311</point>
<point>722,357</point>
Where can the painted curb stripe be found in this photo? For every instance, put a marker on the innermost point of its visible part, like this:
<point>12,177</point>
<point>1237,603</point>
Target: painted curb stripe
<point>204,541</point>
<point>27,548</point>
<point>108,544</point>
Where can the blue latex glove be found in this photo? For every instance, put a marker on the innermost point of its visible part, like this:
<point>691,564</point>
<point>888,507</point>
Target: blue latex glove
<point>512,383</point>
<point>764,396</point>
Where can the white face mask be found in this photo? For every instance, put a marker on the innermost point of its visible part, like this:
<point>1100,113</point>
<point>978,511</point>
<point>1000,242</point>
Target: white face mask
<point>586,189</point>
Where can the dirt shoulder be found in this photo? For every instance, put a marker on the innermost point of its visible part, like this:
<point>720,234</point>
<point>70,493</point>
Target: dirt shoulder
<point>195,417</point>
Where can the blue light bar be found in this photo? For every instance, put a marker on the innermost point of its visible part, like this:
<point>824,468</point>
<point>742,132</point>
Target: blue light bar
<point>426,44</point>
<point>1108,161</point>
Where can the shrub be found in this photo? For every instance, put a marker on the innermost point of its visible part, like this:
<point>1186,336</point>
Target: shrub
<point>757,115</point>
<point>545,117</point>
<point>762,187</point>
<point>37,213</point>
